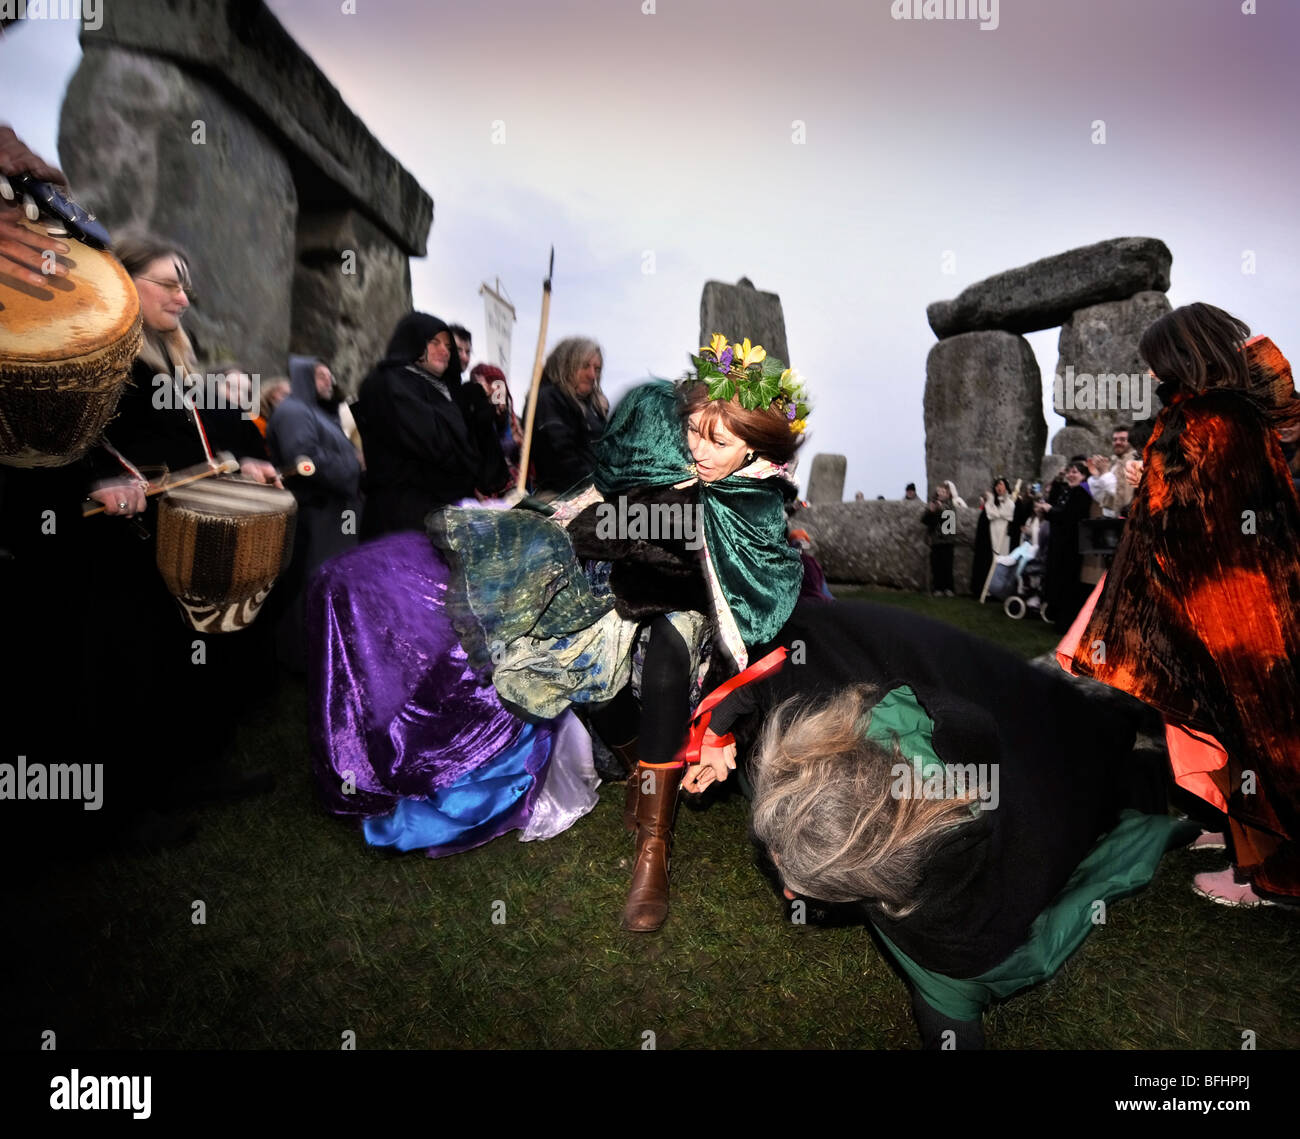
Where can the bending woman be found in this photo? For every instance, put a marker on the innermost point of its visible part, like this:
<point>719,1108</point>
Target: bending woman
<point>889,769</point>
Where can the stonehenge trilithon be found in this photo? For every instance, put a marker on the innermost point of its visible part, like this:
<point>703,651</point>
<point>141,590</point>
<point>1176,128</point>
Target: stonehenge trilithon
<point>176,100</point>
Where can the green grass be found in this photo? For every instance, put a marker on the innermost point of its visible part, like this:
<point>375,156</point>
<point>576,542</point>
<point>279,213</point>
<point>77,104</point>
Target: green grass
<point>310,934</point>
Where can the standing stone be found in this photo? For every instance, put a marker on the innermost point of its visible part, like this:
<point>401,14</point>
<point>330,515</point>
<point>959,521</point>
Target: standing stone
<point>1044,293</point>
<point>883,543</point>
<point>739,311</point>
<point>983,411</point>
<point>826,482</point>
<point>1100,344</point>
<point>223,191</point>
<point>351,287</point>
<point>1052,466</point>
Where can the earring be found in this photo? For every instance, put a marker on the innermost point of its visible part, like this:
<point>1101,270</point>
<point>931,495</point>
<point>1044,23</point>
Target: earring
<point>749,457</point>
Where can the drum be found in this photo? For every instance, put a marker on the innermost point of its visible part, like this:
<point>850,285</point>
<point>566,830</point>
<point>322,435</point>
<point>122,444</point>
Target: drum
<point>222,543</point>
<point>66,350</point>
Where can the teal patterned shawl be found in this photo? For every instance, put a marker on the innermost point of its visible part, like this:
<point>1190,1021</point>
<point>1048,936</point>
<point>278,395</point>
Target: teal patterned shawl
<point>757,570</point>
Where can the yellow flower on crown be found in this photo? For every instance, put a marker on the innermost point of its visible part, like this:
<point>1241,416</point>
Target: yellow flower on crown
<point>747,355</point>
<point>718,345</point>
<point>799,426</point>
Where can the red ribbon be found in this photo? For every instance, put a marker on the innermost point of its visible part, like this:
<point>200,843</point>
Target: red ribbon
<point>690,752</point>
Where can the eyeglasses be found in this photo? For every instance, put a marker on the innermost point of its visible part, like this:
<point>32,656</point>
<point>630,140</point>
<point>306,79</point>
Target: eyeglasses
<point>173,287</point>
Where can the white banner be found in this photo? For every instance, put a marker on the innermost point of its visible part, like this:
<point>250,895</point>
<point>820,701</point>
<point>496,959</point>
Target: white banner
<point>499,320</point>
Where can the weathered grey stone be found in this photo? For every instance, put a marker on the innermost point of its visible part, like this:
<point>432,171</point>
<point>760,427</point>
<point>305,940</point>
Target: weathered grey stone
<point>1071,441</point>
<point>826,482</point>
<point>1099,364</point>
<point>739,311</point>
<point>883,543</point>
<point>1052,466</point>
<point>242,50</point>
<point>351,286</point>
<point>128,145</point>
<point>1044,293</point>
<point>983,411</point>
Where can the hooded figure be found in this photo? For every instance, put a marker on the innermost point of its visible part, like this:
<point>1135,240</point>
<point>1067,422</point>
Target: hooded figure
<point>328,499</point>
<point>428,441</point>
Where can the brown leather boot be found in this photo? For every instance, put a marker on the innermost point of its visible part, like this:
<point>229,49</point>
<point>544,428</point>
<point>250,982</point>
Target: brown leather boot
<point>647,899</point>
<point>631,756</point>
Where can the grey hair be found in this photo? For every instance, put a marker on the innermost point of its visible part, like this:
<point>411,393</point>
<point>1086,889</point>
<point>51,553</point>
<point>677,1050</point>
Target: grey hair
<point>824,810</point>
<point>562,369</point>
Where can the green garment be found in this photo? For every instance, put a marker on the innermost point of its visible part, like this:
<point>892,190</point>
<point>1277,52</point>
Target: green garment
<point>757,569</point>
<point>1122,862</point>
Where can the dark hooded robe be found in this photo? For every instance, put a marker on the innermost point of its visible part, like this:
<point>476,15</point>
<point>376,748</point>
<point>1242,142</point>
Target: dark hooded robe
<point>422,452</point>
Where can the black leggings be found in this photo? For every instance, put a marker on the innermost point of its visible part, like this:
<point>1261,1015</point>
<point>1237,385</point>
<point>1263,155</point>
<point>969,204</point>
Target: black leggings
<point>661,719</point>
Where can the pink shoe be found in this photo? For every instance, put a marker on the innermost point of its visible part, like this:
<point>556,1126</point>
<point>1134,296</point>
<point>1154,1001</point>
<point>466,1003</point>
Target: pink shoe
<point>1209,840</point>
<point>1222,886</point>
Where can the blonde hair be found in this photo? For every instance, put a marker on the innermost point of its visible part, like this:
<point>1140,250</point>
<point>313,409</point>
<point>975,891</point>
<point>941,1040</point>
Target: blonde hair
<point>825,810</point>
<point>562,369</point>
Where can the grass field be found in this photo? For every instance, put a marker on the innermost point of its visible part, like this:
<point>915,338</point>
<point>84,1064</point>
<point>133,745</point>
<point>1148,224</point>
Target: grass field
<point>310,934</point>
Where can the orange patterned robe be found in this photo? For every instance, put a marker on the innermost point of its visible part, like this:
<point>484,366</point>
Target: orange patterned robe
<point>1200,614</point>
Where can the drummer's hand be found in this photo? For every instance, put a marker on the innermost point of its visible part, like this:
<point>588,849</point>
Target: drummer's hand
<point>15,158</point>
<point>124,498</point>
<point>716,760</point>
<point>259,471</point>
<point>24,254</point>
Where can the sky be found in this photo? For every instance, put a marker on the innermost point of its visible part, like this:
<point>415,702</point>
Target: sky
<point>661,135</point>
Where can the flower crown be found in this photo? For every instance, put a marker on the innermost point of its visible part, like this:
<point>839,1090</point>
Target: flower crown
<point>759,380</point>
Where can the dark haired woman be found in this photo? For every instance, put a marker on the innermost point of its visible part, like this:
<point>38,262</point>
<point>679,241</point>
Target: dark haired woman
<point>427,442</point>
<point>682,530</point>
<point>572,412</point>
<point>888,769</point>
<point>1065,592</point>
<point>1200,613</point>
<point>992,534</point>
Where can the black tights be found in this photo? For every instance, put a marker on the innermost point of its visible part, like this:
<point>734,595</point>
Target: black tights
<point>661,719</point>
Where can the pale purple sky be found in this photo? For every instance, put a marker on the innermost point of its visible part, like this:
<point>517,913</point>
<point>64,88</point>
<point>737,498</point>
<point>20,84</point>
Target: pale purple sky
<point>671,133</point>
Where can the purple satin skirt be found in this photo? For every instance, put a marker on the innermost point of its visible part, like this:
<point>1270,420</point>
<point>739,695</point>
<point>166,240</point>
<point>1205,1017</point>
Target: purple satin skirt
<point>395,711</point>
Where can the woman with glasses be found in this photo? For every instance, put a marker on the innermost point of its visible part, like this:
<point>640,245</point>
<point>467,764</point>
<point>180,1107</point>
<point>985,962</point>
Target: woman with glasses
<point>158,691</point>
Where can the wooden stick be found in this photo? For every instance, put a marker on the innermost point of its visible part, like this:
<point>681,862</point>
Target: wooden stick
<point>226,466</point>
<point>538,361</point>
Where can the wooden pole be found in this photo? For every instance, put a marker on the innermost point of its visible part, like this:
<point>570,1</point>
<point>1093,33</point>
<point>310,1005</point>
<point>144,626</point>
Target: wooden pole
<point>538,361</point>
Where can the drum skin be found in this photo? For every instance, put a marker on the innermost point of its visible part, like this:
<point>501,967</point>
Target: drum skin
<point>66,350</point>
<point>222,543</point>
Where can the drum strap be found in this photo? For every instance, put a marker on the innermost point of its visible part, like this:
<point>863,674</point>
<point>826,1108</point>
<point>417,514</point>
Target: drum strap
<point>192,412</point>
<point>121,458</point>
